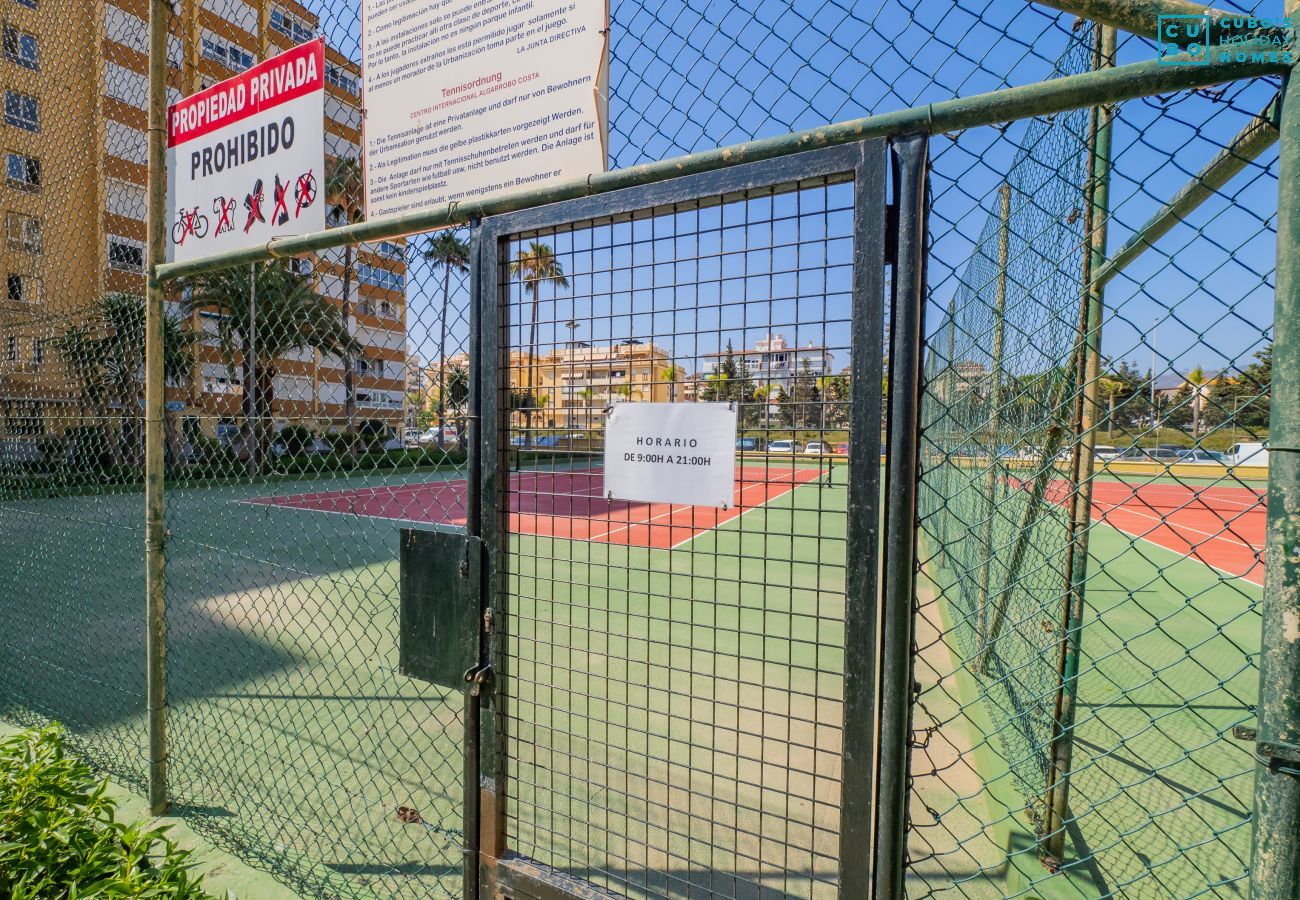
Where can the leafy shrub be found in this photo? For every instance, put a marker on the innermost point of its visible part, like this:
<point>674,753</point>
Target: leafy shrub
<point>296,439</point>
<point>59,837</point>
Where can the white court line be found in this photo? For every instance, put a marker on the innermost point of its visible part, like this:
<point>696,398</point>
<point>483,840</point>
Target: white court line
<point>675,509</point>
<point>1213,535</point>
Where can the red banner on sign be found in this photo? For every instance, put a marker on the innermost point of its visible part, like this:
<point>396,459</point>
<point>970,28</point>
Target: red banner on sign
<point>292,74</point>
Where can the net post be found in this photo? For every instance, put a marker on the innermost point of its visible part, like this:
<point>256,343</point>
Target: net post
<point>994,429</point>
<point>1056,807</point>
<point>1275,849</point>
<point>950,390</point>
<point>154,411</point>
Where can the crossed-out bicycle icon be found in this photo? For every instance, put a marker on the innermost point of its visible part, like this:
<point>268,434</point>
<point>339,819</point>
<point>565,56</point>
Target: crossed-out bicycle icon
<point>189,222</point>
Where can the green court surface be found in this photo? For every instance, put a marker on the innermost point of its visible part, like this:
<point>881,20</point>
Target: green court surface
<point>1160,791</point>
<point>675,716</point>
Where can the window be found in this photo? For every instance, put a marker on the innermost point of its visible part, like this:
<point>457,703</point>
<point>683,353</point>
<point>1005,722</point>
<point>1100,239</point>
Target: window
<point>382,278</point>
<point>336,217</point>
<point>23,289</point>
<point>23,172</point>
<point>11,348</point>
<point>126,142</point>
<point>290,25</point>
<point>121,83</point>
<point>30,4</point>
<point>388,249</point>
<point>227,54</point>
<point>24,232</point>
<point>125,255</point>
<point>20,47</point>
<point>337,75</point>
<point>38,351</point>
<point>301,267</point>
<point>22,111</point>
<point>127,199</point>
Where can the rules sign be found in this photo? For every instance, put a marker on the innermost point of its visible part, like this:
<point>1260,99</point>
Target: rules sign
<point>246,157</point>
<point>671,453</point>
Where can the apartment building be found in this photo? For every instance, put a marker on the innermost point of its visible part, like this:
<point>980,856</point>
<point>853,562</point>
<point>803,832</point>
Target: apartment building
<point>576,383</point>
<point>73,196</point>
<point>772,362</point>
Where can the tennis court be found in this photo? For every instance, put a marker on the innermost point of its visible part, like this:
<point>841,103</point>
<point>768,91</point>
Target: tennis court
<point>1170,630</point>
<point>568,504</point>
<point>1221,525</point>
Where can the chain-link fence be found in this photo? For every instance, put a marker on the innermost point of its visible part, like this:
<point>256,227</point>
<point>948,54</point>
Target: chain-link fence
<point>316,405</point>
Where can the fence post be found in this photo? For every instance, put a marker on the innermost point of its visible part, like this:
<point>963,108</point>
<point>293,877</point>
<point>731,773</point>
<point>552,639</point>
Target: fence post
<point>154,411</point>
<point>1056,810</point>
<point>1275,862</point>
<point>995,403</point>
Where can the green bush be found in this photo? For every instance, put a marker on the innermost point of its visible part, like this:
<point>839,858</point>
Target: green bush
<point>296,439</point>
<point>59,837</point>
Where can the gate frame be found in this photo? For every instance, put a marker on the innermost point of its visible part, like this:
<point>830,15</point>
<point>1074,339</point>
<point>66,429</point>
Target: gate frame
<point>877,237</point>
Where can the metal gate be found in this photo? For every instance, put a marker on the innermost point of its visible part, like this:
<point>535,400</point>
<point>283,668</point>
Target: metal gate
<point>678,700</point>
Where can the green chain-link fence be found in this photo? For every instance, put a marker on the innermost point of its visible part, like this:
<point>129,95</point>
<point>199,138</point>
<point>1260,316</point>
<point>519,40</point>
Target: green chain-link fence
<point>300,438</point>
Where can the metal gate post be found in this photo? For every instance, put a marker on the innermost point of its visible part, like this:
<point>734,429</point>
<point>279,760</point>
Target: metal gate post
<point>899,550</point>
<point>155,529</point>
<point>1057,801</point>
<point>1275,864</point>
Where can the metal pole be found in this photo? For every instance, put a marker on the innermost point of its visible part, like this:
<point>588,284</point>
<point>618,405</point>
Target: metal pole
<point>154,411</point>
<point>254,446</point>
<point>1275,863</point>
<point>949,395</point>
<point>995,403</point>
<point>1062,748</point>
<point>899,544</point>
<point>1155,323</point>
<point>1087,89</point>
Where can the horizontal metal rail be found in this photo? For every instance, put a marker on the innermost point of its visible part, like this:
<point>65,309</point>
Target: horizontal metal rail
<point>1041,98</point>
<point>1260,134</point>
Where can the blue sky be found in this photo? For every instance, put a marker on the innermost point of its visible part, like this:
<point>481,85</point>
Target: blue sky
<point>688,75</point>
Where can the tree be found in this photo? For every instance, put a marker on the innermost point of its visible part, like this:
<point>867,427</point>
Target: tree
<point>452,254</point>
<point>457,393</point>
<point>343,186</point>
<point>289,316</point>
<point>534,266</point>
<point>106,357</point>
<point>1109,388</point>
<point>669,374</point>
<point>733,382</point>
<point>1246,397</point>
<point>1196,382</point>
<point>800,405</point>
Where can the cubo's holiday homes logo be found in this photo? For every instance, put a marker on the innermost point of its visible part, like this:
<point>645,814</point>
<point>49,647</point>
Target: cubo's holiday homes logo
<point>1198,40</point>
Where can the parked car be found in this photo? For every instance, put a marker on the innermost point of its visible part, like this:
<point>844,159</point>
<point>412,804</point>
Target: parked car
<point>1105,452</point>
<point>1248,453</point>
<point>783,447</point>
<point>1167,455</point>
<point>411,438</point>
<point>1202,457</point>
<point>815,448</point>
<point>450,435</point>
<point>842,448</point>
<point>749,444</point>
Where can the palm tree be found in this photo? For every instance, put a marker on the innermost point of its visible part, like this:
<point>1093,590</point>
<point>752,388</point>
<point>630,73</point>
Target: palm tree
<point>452,253</point>
<point>1197,380</point>
<point>669,374</point>
<point>1110,388</point>
<point>106,356</point>
<point>535,265</point>
<point>343,184</point>
<point>290,316</point>
<point>585,396</point>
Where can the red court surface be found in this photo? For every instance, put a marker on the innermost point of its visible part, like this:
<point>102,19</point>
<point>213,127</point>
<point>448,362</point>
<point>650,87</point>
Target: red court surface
<point>559,504</point>
<point>1220,525</point>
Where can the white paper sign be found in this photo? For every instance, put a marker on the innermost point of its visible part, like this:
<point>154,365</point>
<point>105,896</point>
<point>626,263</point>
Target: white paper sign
<point>246,157</point>
<point>464,99</point>
<point>671,453</point>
